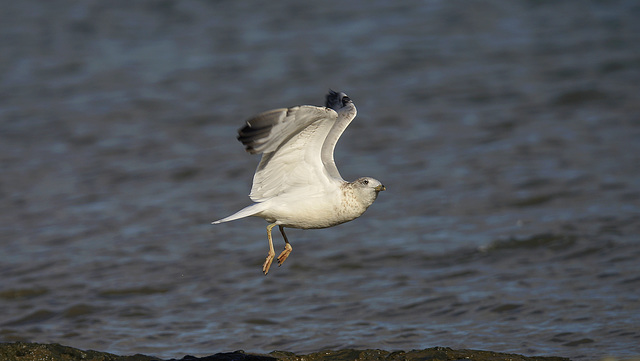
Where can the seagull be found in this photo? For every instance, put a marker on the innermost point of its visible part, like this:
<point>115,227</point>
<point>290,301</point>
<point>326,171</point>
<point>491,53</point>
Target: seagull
<point>297,183</point>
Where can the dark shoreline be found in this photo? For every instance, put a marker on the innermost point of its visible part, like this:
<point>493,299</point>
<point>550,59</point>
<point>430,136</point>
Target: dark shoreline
<point>20,351</point>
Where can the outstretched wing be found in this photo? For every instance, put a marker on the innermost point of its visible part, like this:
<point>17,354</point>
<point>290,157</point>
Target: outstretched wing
<point>292,142</point>
<point>346,111</point>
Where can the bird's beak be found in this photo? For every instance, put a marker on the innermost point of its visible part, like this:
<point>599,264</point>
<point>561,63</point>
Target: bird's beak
<point>380,188</point>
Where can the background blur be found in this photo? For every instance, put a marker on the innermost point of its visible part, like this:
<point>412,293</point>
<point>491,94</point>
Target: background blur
<point>507,134</point>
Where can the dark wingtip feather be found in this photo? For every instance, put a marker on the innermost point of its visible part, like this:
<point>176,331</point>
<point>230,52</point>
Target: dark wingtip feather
<point>249,136</point>
<point>331,99</point>
<point>256,129</point>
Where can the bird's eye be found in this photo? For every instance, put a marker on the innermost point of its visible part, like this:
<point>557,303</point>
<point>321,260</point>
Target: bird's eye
<point>365,181</point>
<point>345,100</point>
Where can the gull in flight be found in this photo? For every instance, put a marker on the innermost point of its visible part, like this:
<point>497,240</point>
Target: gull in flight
<point>297,183</point>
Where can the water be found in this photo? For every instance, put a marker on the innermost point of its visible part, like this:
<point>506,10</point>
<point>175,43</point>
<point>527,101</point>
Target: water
<point>506,134</point>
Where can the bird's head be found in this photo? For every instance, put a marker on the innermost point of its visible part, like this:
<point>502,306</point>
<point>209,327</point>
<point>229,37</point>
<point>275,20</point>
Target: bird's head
<point>367,189</point>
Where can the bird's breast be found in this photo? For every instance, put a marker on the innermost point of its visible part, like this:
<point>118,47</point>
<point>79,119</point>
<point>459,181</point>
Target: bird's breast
<point>313,211</point>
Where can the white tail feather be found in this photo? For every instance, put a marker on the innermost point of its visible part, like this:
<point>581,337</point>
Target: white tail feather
<point>244,212</point>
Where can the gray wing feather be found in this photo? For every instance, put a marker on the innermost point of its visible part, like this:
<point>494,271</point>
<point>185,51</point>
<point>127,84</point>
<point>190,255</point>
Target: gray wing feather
<point>265,132</point>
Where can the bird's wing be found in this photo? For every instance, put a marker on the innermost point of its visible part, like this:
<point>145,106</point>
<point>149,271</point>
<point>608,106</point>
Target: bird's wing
<point>345,115</point>
<point>292,142</point>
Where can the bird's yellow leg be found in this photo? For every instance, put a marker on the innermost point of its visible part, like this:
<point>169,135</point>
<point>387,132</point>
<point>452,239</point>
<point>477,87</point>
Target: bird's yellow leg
<point>272,253</point>
<point>287,248</point>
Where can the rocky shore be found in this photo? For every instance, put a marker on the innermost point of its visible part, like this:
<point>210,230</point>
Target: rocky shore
<point>20,351</point>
